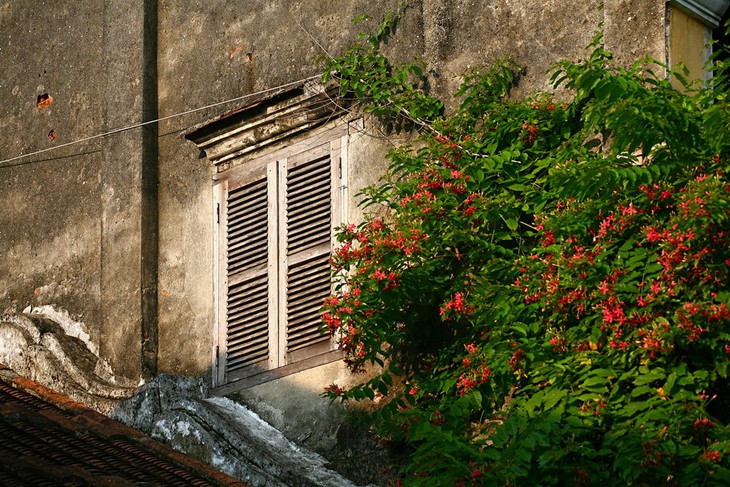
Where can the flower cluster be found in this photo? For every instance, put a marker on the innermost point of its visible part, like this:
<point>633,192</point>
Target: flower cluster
<point>476,371</point>
<point>456,306</point>
<point>670,242</point>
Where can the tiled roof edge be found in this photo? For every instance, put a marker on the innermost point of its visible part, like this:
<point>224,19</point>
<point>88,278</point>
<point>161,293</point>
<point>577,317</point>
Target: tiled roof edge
<point>108,427</point>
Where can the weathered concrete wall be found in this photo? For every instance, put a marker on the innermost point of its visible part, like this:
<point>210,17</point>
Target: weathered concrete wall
<point>78,224</point>
<point>129,189</point>
<point>50,217</point>
<point>79,227</point>
<point>118,231</point>
<point>215,50</point>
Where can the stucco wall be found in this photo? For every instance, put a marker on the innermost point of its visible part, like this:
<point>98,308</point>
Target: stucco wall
<point>50,217</point>
<point>79,227</point>
<point>214,50</point>
<point>76,221</point>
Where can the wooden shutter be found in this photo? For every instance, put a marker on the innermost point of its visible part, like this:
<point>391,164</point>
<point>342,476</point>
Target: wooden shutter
<point>246,240</point>
<point>308,217</point>
<point>277,217</point>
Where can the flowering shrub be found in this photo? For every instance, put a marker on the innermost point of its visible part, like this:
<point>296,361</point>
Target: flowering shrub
<point>548,296</point>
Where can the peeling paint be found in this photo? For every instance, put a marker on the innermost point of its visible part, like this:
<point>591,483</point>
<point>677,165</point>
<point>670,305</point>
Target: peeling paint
<point>44,101</point>
<point>225,434</point>
<point>70,327</point>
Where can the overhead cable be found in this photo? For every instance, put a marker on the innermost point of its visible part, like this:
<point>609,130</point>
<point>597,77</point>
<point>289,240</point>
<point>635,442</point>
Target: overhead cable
<point>148,122</point>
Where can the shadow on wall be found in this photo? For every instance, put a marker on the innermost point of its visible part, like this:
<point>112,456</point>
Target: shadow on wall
<point>47,346</point>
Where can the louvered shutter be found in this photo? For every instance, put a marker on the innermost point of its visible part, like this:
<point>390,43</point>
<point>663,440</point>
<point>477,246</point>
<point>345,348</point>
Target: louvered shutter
<point>308,221</point>
<point>246,240</point>
<point>277,218</point>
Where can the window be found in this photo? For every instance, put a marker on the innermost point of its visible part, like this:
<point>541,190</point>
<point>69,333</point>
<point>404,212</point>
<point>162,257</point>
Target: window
<point>690,29</point>
<point>275,220</point>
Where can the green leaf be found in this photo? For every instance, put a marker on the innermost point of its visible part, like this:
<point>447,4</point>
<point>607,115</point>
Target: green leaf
<point>592,381</point>
<point>649,377</point>
<point>722,369</point>
<point>641,390</point>
<point>607,373</point>
<point>669,385</point>
<point>632,408</point>
<point>552,397</point>
<point>476,398</point>
<point>520,329</point>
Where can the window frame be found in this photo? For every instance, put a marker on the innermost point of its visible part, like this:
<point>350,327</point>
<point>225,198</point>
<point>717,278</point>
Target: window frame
<point>709,12</point>
<point>333,141</point>
<point>691,25</point>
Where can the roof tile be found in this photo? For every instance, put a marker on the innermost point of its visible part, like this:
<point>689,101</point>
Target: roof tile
<point>47,439</point>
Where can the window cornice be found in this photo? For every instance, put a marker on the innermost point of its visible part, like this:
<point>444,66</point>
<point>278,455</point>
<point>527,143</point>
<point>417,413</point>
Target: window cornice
<point>265,122</point>
<point>709,12</point>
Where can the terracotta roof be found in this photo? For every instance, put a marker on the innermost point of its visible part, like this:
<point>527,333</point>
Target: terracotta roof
<point>47,439</point>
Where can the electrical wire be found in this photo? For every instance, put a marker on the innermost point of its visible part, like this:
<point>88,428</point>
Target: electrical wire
<point>5,162</point>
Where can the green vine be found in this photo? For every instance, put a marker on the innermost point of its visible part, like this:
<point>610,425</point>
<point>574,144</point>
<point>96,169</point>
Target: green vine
<point>394,93</point>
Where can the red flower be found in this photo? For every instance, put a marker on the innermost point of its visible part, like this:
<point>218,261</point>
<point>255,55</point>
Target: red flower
<point>549,238</point>
<point>703,424</point>
<point>711,456</point>
<point>653,235</point>
<point>458,304</point>
<point>334,389</point>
